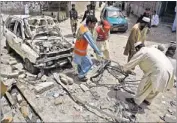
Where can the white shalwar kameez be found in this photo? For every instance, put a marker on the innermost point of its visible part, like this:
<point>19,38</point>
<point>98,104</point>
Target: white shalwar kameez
<point>155,20</point>
<point>158,73</point>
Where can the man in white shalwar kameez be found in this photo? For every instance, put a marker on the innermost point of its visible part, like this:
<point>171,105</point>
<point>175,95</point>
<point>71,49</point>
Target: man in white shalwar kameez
<point>155,20</point>
<point>158,73</point>
<point>174,23</point>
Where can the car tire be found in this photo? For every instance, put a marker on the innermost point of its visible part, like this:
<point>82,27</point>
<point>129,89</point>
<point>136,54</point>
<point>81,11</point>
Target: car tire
<point>30,67</point>
<point>9,49</point>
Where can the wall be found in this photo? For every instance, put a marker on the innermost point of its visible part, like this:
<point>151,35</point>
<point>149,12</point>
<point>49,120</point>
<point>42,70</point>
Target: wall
<point>18,7</point>
<point>138,8</point>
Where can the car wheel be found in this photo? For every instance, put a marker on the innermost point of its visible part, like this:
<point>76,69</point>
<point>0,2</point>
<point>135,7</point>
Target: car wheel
<point>30,68</point>
<point>9,49</point>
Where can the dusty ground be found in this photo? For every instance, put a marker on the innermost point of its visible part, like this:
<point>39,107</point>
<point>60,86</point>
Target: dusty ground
<point>99,95</point>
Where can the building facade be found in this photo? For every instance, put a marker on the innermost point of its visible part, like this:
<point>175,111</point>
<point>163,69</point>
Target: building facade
<point>165,9</point>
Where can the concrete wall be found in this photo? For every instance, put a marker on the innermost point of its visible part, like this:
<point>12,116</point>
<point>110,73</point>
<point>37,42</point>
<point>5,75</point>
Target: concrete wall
<point>18,7</point>
<point>138,8</point>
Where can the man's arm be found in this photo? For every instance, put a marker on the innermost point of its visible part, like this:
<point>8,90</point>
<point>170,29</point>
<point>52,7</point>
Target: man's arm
<point>84,16</point>
<point>76,14</point>
<point>70,14</point>
<point>88,36</point>
<point>134,60</point>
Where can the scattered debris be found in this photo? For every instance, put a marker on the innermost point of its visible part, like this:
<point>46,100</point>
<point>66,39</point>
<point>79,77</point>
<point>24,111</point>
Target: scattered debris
<point>173,103</point>
<point>24,110</point>
<point>15,74</point>
<point>64,80</point>
<point>12,62</point>
<point>163,102</point>
<point>30,75</point>
<point>78,108</point>
<point>12,102</point>
<point>56,95</point>
<point>19,98</point>
<point>21,76</point>
<point>9,82</point>
<point>37,96</point>
<point>18,66</point>
<point>169,118</point>
<point>38,120</point>
<point>70,80</point>
<point>58,101</point>
<point>91,84</point>
<point>7,119</point>
<point>40,88</point>
<point>84,88</point>
<point>44,78</point>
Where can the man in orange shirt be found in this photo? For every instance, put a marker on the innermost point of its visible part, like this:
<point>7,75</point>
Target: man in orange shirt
<point>83,38</point>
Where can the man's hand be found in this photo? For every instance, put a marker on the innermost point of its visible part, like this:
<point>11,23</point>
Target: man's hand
<point>101,56</point>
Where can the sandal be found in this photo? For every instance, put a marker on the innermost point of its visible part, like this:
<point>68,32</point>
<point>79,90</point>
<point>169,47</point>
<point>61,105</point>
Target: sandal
<point>130,100</point>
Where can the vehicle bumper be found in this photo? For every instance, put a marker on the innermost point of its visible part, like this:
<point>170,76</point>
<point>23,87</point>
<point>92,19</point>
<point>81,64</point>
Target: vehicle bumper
<point>53,62</point>
<point>119,28</point>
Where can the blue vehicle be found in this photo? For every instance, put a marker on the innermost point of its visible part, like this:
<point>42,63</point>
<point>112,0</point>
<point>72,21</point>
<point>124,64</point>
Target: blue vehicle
<point>115,17</point>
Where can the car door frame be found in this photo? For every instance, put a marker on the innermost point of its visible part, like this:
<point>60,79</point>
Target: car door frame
<point>102,14</point>
<point>18,41</point>
<point>9,34</point>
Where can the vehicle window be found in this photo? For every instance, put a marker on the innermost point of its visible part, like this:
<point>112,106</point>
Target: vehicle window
<point>19,30</point>
<point>42,22</point>
<point>10,24</point>
<point>33,22</point>
<point>115,14</point>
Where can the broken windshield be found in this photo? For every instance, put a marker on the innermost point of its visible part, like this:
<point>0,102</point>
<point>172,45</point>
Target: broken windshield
<point>42,27</point>
<point>115,14</point>
<point>49,32</point>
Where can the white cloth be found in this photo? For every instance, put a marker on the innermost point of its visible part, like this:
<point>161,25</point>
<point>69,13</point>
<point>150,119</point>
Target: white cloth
<point>146,19</point>
<point>155,66</point>
<point>155,20</point>
<point>173,62</point>
<point>157,46</point>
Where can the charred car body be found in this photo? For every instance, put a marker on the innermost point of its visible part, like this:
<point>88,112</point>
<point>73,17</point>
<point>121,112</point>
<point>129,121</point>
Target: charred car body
<point>38,40</point>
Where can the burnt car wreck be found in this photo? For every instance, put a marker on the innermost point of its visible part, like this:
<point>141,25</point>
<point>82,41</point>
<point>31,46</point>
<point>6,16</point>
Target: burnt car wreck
<point>38,40</point>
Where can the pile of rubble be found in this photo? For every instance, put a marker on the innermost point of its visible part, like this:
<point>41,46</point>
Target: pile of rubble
<point>170,116</point>
<point>88,100</point>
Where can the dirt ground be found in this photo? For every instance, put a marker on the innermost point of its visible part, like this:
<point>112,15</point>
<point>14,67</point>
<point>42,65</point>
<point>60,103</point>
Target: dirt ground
<point>100,96</point>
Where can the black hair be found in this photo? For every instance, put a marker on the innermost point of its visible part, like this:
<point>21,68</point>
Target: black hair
<point>88,5</point>
<point>139,47</point>
<point>91,19</point>
<point>171,51</point>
